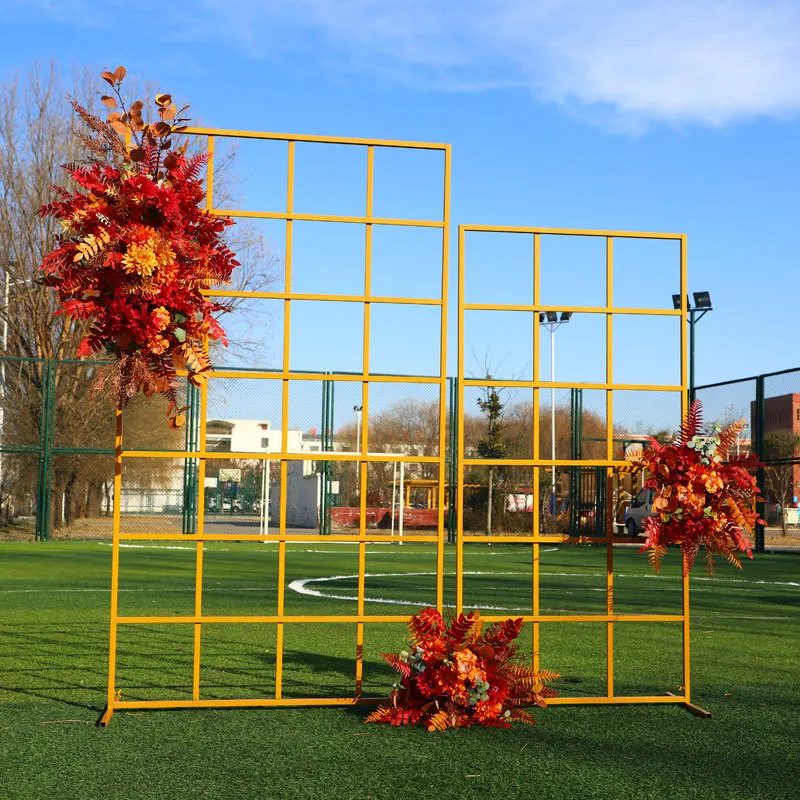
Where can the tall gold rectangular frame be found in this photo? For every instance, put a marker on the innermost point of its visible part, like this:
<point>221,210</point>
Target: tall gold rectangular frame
<point>610,618</point>
<point>363,457</point>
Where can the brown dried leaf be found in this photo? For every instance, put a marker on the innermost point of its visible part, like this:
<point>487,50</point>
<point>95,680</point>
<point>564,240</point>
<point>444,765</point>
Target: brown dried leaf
<point>120,127</point>
<point>114,115</point>
<point>163,99</point>
<point>108,101</point>
<point>162,129</point>
<point>136,108</point>
<point>176,422</point>
<point>168,112</point>
<point>119,73</point>
<point>108,77</point>
<point>171,161</point>
<point>137,154</point>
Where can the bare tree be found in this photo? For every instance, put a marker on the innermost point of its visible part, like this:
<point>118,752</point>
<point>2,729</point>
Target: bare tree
<point>780,451</point>
<point>38,134</point>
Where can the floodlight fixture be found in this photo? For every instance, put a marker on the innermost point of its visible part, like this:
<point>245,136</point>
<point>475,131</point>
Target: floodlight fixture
<point>552,316</point>
<point>702,299</point>
<point>676,302</point>
<point>565,315</point>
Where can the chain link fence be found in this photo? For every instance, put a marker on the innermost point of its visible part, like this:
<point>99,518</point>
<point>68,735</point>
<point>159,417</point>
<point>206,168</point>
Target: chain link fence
<point>770,405</point>
<point>57,456</point>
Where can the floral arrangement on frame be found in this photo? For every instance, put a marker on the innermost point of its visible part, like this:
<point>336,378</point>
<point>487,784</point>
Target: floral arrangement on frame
<point>136,250</point>
<point>705,496</point>
<point>457,675</point>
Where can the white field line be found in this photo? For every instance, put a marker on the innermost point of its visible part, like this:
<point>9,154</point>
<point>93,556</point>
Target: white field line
<point>302,587</point>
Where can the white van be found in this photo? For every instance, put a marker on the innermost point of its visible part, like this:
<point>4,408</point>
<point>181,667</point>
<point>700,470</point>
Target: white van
<point>639,510</point>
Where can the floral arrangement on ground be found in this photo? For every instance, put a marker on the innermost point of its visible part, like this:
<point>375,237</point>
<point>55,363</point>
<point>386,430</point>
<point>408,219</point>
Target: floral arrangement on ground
<point>136,250</point>
<point>458,674</point>
<point>705,496</point>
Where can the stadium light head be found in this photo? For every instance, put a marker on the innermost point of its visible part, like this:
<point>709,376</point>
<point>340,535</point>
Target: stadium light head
<point>702,299</point>
<point>565,315</point>
<point>552,316</point>
<point>676,302</point>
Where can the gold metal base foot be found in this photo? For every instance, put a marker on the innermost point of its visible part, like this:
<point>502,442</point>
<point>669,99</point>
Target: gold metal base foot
<point>105,718</point>
<point>696,710</point>
<point>692,708</point>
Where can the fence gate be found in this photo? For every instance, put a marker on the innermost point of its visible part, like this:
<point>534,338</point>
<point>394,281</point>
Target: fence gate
<point>536,459</point>
<point>361,306</point>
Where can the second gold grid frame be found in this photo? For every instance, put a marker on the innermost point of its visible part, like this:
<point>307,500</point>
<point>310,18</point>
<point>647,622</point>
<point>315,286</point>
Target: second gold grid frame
<point>607,462</point>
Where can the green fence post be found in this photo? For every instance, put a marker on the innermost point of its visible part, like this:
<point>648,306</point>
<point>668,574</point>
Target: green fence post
<point>190,467</point>
<point>452,461</point>
<point>758,446</point>
<point>46,435</point>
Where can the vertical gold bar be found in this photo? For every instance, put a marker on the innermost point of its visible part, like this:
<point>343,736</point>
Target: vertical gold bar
<point>210,175</point>
<point>460,469</point>
<point>609,456</point>
<point>440,544</point>
<point>537,253</point>
<point>687,669</point>
<point>201,472</point>
<point>287,308</point>
<point>362,443</point>
<point>114,613</point>
<point>198,610</point>
<point>198,567</point>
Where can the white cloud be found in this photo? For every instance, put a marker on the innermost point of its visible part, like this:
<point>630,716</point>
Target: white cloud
<point>712,62</point>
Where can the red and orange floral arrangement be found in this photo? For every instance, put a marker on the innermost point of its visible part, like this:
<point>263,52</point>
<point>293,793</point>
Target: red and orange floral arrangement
<point>136,250</point>
<point>458,675</point>
<point>705,496</point>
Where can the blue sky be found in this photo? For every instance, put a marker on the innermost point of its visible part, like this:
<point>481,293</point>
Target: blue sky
<point>666,116</point>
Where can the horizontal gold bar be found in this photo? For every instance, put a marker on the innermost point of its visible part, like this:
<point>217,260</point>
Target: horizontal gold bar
<point>354,618</point>
<point>302,137</point>
<point>315,455</point>
<point>294,217</point>
<point>319,376</point>
<point>588,617</point>
<point>625,387</point>
<point>121,705</point>
<point>655,312</point>
<point>338,298</point>
<point>272,537</point>
<point>570,232</point>
<point>515,539</point>
<point>610,701</point>
<point>542,462</point>
<point>308,619</point>
<point>604,540</point>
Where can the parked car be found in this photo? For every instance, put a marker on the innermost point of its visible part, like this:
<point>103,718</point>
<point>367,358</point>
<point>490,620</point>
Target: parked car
<point>640,509</point>
<point>231,505</point>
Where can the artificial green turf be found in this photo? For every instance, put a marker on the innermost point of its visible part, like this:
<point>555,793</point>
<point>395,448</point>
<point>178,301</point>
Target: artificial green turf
<point>53,644</point>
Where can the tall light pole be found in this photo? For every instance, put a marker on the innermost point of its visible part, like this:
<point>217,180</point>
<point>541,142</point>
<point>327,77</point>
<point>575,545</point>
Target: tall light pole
<point>702,304</point>
<point>359,411</point>
<point>551,321</point>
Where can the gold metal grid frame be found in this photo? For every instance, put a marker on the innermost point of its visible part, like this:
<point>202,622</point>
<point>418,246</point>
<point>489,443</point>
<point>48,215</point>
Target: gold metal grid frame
<point>610,618</point>
<point>361,305</point>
